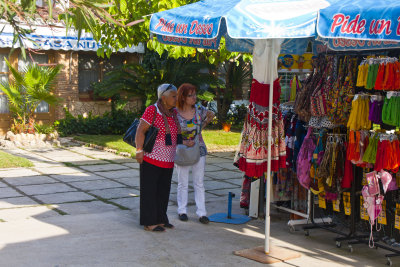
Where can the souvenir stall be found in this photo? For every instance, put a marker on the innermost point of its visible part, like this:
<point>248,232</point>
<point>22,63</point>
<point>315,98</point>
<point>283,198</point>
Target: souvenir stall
<point>264,27</point>
<point>349,156</point>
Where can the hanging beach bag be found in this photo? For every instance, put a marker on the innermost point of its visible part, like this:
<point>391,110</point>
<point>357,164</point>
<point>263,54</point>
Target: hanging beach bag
<point>319,96</point>
<point>304,159</point>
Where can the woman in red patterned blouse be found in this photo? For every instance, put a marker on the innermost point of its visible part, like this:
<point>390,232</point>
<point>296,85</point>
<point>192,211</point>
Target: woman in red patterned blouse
<point>156,167</point>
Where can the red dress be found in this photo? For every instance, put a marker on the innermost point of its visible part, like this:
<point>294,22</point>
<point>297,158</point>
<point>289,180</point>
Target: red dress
<point>253,152</point>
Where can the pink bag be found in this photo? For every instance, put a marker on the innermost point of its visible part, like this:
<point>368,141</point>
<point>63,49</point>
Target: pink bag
<point>373,184</point>
<point>373,204</point>
<point>304,159</point>
<point>392,185</point>
<point>386,179</point>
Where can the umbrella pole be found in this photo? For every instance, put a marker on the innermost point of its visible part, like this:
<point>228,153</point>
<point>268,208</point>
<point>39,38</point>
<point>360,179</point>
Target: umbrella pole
<point>267,253</point>
<point>268,182</point>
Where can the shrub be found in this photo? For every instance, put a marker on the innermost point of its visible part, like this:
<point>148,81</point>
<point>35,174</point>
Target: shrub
<point>44,129</point>
<point>239,114</point>
<point>116,122</point>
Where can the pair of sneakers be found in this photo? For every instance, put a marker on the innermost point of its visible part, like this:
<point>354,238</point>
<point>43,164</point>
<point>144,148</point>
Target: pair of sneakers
<point>203,219</point>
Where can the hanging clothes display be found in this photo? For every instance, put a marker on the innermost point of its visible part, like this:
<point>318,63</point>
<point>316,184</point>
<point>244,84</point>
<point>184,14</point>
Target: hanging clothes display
<point>252,155</point>
<point>342,123</point>
<point>294,88</point>
<point>379,73</point>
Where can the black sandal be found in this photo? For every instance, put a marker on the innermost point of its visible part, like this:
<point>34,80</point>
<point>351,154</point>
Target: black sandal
<point>169,226</point>
<point>155,229</point>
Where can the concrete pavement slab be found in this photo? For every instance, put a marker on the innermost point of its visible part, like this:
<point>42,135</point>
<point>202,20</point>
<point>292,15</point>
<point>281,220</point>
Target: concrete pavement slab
<point>57,154</point>
<point>125,160</point>
<point>116,192</point>
<point>57,170</point>
<point>47,164</point>
<point>107,155</point>
<point>227,165</point>
<point>217,160</point>
<point>17,172</point>
<point>83,150</point>
<point>75,177</point>
<point>17,202</point>
<point>29,180</point>
<point>225,192</point>
<point>133,165</point>
<point>209,185</point>
<point>212,168</point>
<point>94,185</point>
<point>238,181</point>
<point>85,207</point>
<point>134,181</point>
<point>228,154</point>
<point>78,159</point>
<point>222,175</point>
<point>45,189</point>
<point>87,162</point>
<point>103,167</point>
<point>119,174</point>
<point>57,198</point>
<point>128,202</point>
<point>7,192</point>
<point>39,212</point>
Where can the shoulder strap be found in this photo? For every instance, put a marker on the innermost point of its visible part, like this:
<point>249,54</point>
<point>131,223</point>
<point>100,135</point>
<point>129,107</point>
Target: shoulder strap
<point>198,118</point>
<point>155,115</point>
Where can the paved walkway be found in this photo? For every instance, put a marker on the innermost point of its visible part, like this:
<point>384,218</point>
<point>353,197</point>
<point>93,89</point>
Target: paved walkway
<point>79,207</point>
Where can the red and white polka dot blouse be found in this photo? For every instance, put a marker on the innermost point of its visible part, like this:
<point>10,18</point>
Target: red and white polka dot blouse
<point>162,155</point>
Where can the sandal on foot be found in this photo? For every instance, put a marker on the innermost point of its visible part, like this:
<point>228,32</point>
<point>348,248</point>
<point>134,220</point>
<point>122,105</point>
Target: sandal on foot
<point>155,229</point>
<point>168,225</point>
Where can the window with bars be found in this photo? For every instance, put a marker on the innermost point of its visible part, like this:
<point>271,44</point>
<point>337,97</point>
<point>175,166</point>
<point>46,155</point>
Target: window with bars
<point>92,69</point>
<point>286,78</point>
<point>37,59</point>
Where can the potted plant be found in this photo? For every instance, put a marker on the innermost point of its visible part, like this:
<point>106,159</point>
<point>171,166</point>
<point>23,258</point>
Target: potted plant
<point>226,125</point>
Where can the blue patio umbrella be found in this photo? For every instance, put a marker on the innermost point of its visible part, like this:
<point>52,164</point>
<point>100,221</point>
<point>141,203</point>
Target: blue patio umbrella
<point>240,22</point>
<point>258,26</point>
<point>368,20</point>
<point>263,27</point>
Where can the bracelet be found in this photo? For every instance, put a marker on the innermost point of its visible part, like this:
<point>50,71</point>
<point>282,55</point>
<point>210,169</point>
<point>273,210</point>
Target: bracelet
<point>139,151</point>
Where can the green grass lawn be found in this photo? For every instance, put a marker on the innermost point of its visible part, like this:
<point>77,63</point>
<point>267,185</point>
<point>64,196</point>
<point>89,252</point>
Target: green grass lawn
<point>215,140</point>
<point>10,161</point>
<point>220,140</point>
<point>110,141</point>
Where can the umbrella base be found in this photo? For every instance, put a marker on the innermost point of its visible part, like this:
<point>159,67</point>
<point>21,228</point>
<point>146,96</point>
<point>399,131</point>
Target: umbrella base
<point>223,218</point>
<point>276,254</point>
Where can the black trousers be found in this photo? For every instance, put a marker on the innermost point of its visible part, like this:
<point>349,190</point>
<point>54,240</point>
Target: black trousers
<point>155,185</point>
